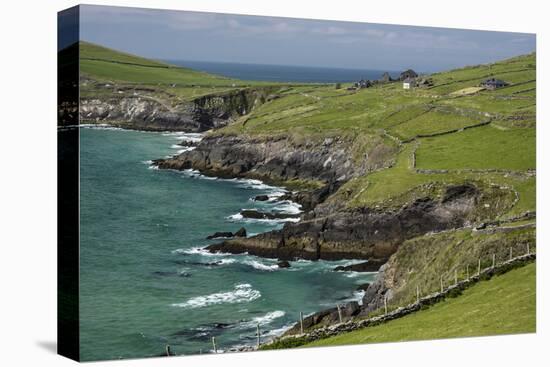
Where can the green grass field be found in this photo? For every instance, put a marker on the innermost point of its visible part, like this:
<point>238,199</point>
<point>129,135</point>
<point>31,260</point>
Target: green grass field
<point>506,304</point>
<point>104,64</point>
<point>480,148</point>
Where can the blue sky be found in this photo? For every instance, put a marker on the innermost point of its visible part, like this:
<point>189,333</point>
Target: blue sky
<point>179,35</point>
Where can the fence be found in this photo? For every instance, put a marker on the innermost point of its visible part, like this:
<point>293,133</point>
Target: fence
<point>389,310</point>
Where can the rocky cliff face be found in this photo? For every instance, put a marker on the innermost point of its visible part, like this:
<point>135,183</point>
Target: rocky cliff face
<point>361,234</point>
<point>324,164</point>
<point>273,159</point>
<point>150,113</point>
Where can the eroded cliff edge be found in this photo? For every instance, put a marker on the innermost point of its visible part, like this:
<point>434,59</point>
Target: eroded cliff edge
<point>143,108</point>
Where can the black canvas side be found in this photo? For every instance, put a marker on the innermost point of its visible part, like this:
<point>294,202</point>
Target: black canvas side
<point>68,341</point>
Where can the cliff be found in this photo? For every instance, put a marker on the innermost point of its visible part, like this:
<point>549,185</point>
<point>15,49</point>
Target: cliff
<point>131,110</point>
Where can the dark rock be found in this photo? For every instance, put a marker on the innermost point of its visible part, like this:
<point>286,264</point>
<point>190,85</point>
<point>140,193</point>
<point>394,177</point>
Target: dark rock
<point>188,143</point>
<point>255,214</point>
<point>240,233</point>
<point>363,287</point>
<point>364,233</point>
<point>369,266</point>
<point>351,309</point>
<point>283,264</point>
<point>261,198</point>
<point>220,235</point>
<point>171,274</point>
<point>458,191</point>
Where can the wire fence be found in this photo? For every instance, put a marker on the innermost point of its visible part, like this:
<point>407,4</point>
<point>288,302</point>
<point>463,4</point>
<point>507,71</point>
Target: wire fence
<point>456,278</point>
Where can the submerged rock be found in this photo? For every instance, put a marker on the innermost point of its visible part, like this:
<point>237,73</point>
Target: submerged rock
<point>241,232</point>
<point>283,264</point>
<point>261,198</point>
<point>220,235</point>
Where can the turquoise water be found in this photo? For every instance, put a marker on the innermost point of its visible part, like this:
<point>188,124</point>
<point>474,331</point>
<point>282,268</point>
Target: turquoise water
<point>145,282</point>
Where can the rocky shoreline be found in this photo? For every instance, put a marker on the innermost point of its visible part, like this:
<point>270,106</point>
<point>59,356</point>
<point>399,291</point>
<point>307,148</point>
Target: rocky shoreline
<point>326,230</point>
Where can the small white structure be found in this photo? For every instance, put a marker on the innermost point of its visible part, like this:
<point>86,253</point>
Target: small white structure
<point>409,83</point>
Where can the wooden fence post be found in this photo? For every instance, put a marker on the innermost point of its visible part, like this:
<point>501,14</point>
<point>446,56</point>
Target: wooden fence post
<point>494,260</point>
<point>168,352</point>
<point>385,304</point>
<point>301,322</point>
<point>214,344</point>
<point>510,253</point>
<point>258,334</point>
<point>441,282</point>
<point>339,313</point>
<point>479,267</point>
<point>528,250</point>
<point>468,271</point>
<point>417,294</point>
<point>456,277</point>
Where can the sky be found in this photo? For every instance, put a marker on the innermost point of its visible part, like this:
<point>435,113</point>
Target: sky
<point>195,36</point>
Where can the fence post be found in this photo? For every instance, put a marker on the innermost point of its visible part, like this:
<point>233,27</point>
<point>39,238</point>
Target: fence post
<point>510,252</point>
<point>528,250</point>
<point>385,304</point>
<point>214,344</point>
<point>479,267</point>
<point>258,334</point>
<point>417,294</point>
<point>168,352</point>
<point>301,322</point>
<point>339,313</point>
<point>456,277</point>
<point>468,271</point>
<point>494,258</point>
<point>441,282</point>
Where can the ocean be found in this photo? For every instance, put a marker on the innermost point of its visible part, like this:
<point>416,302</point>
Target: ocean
<point>145,280</point>
<point>284,73</point>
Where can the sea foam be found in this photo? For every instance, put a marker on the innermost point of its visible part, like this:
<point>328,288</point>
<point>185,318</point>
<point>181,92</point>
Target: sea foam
<point>241,293</point>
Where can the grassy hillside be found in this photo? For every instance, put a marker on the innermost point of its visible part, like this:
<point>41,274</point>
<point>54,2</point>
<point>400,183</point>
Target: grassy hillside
<point>448,253</point>
<point>110,73</point>
<point>505,304</point>
<point>449,132</point>
<point>105,64</point>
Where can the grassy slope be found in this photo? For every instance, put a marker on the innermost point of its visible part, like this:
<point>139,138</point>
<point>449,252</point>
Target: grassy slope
<point>109,65</point>
<point>382,115</point>
<point>505,304</point>
<point>486,147</point>
<point>447,253</point>
<point>109,73</point>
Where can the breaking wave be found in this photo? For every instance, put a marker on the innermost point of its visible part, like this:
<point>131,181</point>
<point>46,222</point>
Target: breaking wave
<point>259,266</point>
<point>262,320</point>
<point>241,293</point>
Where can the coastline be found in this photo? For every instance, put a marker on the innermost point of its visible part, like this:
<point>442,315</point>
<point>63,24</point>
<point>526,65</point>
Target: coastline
<point>281,193</point>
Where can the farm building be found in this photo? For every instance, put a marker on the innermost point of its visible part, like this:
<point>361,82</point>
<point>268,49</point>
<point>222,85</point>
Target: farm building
<point>386,78</point>
<point>410,73</point>
<point>492,84</point>
<point>409,83</point>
